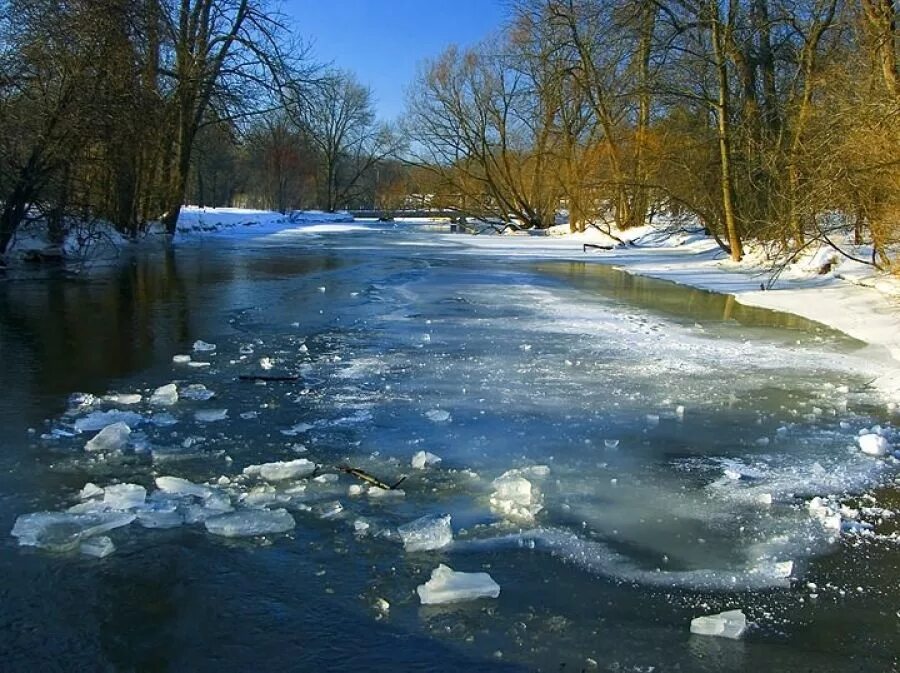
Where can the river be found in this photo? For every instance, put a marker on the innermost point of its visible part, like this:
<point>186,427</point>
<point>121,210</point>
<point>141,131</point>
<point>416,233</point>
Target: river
<point>673,439</point>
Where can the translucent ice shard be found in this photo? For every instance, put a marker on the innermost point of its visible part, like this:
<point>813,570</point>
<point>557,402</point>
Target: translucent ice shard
<point>251,522</point>
<point>426,533</point>
<point>730,624</point>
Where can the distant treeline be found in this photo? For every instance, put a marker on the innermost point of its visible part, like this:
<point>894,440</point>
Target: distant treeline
<point>766,120</point>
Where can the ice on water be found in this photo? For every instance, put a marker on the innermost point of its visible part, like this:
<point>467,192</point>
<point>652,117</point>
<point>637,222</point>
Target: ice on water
<point>282,470</point>
<point>426,533</point>
<point>873,444</point>
<point>251,522</point>
<point>449,586</point>
<point>210,415</point>
<point>423,459</point>
<point>111,438</point>
<point>97,420</point>
<point>124,496</point>
<point>515,497</point>
<point>730,624</point>
<point>165,396</point>
<point>63,531</point>
<point>98,547</point>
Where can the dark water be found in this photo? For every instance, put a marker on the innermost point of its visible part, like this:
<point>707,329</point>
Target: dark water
<point>538,364</point>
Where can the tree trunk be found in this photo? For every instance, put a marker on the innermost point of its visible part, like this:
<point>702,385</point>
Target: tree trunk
<point>724,134</point>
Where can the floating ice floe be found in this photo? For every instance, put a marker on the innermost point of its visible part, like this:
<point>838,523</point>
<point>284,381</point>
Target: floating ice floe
<point>181,359</point>
<point>124,496</point>
<point>378,493</point>
<point>89,491</point>
<point>63,531</point>
<point>125,399</point>
<point>438,415</point>
<point>197,364</point>
<point>281,470</point>
<point>515,497</point>
<point>179,486</point>
<point>448,586</point>
<point>80,401</point>
<point>210,415</point>
<point>423,459</point>
<point>98,547</point>
<point>829,517</point>
<point>296,429</point>
<point>730,624</point>
<point>266,363</point>
<point>198,392</point>
<point>111,438</point>
<point>203,346</point>
<point>873,444</point>
<point>329,510</point>
<point>165,396</point>
<point>251,522</point>
<point>97,420</point>
<point>426,533</point>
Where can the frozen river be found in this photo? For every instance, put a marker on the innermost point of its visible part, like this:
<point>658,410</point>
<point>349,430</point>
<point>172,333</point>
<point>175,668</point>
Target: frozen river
<point>671,442</point>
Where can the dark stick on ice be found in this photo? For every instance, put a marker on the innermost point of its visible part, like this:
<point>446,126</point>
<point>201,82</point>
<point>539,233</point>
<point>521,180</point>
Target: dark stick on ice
<point>269,377</point>
<point>585,246</point>
<point>362,475</point>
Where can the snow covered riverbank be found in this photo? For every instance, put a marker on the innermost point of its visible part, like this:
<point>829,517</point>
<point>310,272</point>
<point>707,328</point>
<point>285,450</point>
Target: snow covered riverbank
<point>850,297</point>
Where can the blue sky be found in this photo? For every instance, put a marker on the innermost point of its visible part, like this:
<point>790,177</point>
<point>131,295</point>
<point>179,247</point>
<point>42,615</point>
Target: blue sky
<point>382,41</point>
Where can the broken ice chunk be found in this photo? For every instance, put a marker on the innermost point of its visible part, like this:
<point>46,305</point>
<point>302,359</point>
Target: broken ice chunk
<point>179,486</point>
<point>730,624</point>
<point>426,533</point>
<point>89,491</point>
<point>98,547</point>
<point>423,459</point>
<point>111,438</point>
<point>296,429</point>
<point>448,586</point>
<point>204,346</point>
<point>165,396</point>
<point>196,364</point>
<point>329,510</point>
<point>181,359</point>
<point>124,496</point>
<point>210,415</point>
<point>515,497</point>
<point>62,531</point>
<point>438,415</point>
<point>123,398</point>
<point>160,513</point>
<point>251,522</point>
<point>97,420</point>
<point>283,469</point>
<point>197,391</point>
<point>266,363</point>
<point>873,444</point>
<point>376,492</point>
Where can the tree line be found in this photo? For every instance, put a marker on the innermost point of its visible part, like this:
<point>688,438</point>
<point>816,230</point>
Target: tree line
<point>776,121</point>
<point>768,120</point>
<point>124,110</point>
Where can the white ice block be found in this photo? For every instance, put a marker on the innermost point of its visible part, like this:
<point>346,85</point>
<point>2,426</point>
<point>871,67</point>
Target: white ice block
<point>448,586</point>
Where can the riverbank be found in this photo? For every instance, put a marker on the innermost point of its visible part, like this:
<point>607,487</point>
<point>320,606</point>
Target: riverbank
<point>849,296</point>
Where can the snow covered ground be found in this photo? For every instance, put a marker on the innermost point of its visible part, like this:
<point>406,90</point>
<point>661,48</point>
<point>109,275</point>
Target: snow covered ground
<point>195,221</point>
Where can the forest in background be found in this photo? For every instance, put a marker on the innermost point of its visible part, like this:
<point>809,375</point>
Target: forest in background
<point>771,121</point>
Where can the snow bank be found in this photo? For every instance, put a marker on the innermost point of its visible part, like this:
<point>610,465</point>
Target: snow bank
<point>194,221</point>
<point>849,296</point>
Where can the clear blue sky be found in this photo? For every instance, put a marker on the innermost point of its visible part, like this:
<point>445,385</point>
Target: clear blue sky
<point>382,41</point>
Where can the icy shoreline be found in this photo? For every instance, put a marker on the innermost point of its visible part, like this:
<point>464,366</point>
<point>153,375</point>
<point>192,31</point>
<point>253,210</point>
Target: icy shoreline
<point>851,298</point>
